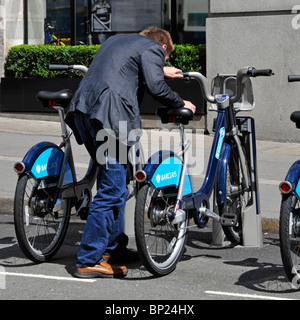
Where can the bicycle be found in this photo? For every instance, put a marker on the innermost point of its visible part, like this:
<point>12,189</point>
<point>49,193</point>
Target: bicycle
<point>289,220</point>
<point>165,206</point>
<point>47,188</point>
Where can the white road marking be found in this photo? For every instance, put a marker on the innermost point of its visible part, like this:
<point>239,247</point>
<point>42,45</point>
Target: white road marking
<point>247,296</point>
<point>42,276</point>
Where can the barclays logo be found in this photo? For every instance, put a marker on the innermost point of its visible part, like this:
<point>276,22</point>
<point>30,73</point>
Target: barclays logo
<point>47,166</point>
<point>158,178</point>
<point>166,176</point>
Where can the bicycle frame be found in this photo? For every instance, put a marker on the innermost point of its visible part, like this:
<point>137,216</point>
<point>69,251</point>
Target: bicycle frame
<point>77,190</point>
<point>42,156</point>
<point>225,138</point>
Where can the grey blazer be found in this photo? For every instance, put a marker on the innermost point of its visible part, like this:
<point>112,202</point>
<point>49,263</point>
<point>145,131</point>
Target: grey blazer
<point>110,90</point>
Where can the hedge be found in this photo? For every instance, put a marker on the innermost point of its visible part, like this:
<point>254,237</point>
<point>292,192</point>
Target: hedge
<point>189,58</point>
<point>31,61</point>
<point>26,61</point>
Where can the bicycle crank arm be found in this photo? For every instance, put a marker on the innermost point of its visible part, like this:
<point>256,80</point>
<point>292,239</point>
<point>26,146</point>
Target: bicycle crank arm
<point>210,214</point>
<point>84,203</point>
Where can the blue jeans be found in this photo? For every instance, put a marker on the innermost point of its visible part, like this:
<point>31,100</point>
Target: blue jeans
<point>104,230</point>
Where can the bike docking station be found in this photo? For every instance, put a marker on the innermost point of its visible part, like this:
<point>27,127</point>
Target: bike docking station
<point>252,235</point>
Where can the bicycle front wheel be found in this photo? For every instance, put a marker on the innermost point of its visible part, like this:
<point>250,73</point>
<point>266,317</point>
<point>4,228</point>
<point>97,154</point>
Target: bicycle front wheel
<point>289,236</point>
<point>160,244</point>
<point>39,229</point>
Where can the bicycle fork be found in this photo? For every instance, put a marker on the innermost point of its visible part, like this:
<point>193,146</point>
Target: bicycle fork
<point>178,214</point>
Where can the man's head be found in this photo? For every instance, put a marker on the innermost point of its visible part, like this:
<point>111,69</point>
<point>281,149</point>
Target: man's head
<point>161,36</point>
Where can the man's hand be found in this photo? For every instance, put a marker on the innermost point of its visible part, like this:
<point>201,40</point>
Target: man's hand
<point>172,73</point>
<point>189,105</point>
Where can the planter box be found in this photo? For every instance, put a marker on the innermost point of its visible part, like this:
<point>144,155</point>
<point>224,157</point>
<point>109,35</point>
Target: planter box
<point>19,95</point>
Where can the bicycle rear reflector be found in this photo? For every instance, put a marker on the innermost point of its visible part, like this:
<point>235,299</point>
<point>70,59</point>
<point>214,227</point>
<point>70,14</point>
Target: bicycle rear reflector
<point>140,176</point>
<point>19,167</point>
<point>52,103</point>
<point>285,187</point>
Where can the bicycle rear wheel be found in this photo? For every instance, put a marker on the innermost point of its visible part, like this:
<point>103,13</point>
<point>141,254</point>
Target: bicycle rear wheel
<point>289,236</point>
<point>40,231</point>
<point>160,244</point>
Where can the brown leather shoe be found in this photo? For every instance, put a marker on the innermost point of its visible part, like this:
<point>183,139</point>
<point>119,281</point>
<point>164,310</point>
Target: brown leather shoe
<point>101,270</point>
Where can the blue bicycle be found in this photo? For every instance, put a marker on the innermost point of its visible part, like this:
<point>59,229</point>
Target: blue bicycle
<point>289,222</point>
<point>165,200</point>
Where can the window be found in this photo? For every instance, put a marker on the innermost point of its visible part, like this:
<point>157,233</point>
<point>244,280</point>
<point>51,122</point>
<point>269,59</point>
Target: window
<point>92,21</point>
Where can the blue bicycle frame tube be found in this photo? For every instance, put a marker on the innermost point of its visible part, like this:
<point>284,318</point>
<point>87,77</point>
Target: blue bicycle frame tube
<point>215,156</point>
<point>222,173</point>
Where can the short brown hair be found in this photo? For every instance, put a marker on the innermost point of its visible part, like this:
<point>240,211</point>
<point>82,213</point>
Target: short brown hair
<point>159,35</point>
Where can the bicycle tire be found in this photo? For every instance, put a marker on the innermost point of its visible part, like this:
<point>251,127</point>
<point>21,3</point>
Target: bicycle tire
<point>236,201</point>
<point>289,237</point>
<point>40,232</point>
<point>160,244</point>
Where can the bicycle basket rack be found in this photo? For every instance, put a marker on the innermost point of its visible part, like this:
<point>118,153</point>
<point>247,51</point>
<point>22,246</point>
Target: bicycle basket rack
<point>225,84</point>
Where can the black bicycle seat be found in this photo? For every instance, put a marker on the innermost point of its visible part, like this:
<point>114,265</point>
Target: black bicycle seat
<point>175,115</point>
<point>295,117</point>
<point>60,98</point>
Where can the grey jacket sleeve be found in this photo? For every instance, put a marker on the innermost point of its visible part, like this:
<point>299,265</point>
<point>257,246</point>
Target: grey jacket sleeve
<point>152,61</point>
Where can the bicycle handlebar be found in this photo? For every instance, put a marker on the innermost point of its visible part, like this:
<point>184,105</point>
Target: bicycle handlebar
<point>203,84</point>
<point>61,67</point>
<point>293,78</point>
<point>241,74</point>
<point>252,72</point>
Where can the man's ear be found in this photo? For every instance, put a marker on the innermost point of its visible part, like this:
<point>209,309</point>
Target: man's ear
<point>165,46</point>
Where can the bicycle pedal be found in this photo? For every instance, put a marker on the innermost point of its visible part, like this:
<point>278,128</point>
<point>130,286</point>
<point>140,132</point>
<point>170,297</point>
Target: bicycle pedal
<point>83,213</point>
<point>229,219</point>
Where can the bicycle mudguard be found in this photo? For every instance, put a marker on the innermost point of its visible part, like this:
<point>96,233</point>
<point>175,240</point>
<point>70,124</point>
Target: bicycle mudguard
<point>164,169</point>
<point>44,160</point>
<point>293,177</point>
<point>222,174</point>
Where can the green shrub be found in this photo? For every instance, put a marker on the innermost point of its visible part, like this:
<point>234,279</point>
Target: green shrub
<point>26,61</point>
<point>189,58</point>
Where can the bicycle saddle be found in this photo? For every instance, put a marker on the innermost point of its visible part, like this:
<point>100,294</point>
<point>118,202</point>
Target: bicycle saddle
<point>60,98</point>
<point>177,115</point>
<point>295,117</point>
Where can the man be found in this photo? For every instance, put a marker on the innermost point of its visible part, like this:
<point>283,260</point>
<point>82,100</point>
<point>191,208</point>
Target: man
<point>107,96</point>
